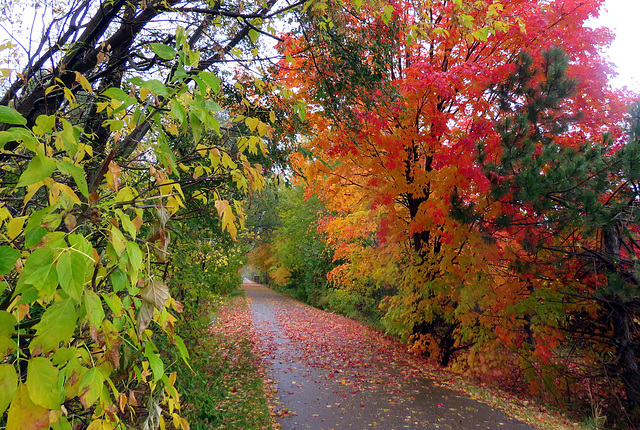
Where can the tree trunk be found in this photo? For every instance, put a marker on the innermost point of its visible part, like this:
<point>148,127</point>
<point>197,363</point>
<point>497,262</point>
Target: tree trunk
<point>622,320</point>
<point>626,353</point>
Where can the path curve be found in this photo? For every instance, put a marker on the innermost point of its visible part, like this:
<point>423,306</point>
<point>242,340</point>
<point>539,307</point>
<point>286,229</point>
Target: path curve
<point>330,372</point>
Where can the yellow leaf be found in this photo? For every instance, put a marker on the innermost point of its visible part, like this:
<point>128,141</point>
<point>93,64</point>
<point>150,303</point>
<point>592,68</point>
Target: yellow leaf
<point>69,96</point>
<point>173,129</point>
<point>88,149</point>
<point>68,191</point>
<point>126,194</point>
<point>227,161</point>
<point>50,89</point>
<point>101,425</point>
<point>24,414</point>
<point>262,128</point>
<point>101,106</point>
<point>165,187</point>
<point>84,83</point>
<point>173,204</point>
<point>252,123</point>
<point>112,176</point>
<point>14,227</point>
<point>144,93</point>
<point>228,219</point>
<point>178,188</point>
<point>221,206</point>
<point>272,116</point>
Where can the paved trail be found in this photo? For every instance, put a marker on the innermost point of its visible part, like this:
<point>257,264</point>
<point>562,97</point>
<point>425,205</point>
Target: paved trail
<point>332,373</point>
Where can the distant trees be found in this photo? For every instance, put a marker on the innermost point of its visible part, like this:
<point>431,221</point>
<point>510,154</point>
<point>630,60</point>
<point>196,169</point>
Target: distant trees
<point>289,248</point>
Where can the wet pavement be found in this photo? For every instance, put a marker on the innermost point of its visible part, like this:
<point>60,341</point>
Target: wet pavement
<point>329,372</point>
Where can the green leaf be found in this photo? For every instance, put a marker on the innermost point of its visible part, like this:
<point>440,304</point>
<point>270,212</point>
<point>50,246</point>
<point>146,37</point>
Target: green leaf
<point>69,138</point>
<point>481,34</point>
<point>33,237</point>
<point>163,51</point>
<point>42,382</point>
<point>7,346</point>
<point>77,173</point>
<point>178,112</point>
<point>184,353</point>
<point>93,306</point>
<point>118,280</point>
<point>62,424</point>
<point>253,35</point>
<point>57,325</point>
<point>127,224</point>
<point>156,87</point>
<point>8,257</point>
<point>301,109</point>
<point>40,167</point>
<point>20,135</point>
<point>114,303</point>
<point>214,124</point>
<point>72,269</point>
<point>44,124</point>
<point>39,271</point>
<point>155,362</point>
<point>8,385</point>
<point>212,107</point>
<point>116,93</point>
<point>11,116</point>
<point>91,387</point>
<point>7,323</point>
<point>211,80</point>
<point>196,126</point>
<point>63,355</point>
<point>80,243</point>
<point>387,14</point>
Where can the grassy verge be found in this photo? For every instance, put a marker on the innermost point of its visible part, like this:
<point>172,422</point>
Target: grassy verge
<point>224,389</point>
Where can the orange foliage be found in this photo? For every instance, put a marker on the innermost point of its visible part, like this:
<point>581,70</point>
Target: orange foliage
<point>386,156</point>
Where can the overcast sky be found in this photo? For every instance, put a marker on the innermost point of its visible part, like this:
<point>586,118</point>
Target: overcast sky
<point>623,17</point>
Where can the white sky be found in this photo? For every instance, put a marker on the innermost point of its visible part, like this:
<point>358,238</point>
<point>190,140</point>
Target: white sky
<point>622,17</point>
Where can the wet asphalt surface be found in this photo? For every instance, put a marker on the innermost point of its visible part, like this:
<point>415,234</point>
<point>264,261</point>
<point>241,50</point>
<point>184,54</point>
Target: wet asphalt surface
<point>328,372</point>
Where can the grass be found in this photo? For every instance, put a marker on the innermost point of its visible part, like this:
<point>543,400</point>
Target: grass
<point>225,388</point>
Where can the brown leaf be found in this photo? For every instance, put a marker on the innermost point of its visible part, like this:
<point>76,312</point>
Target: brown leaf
<point>144,317</point>
<point>137,222</point>
<point>122,401</point>
<point>156,293</point>
<point>132,399</point>
<point>70,222</point>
